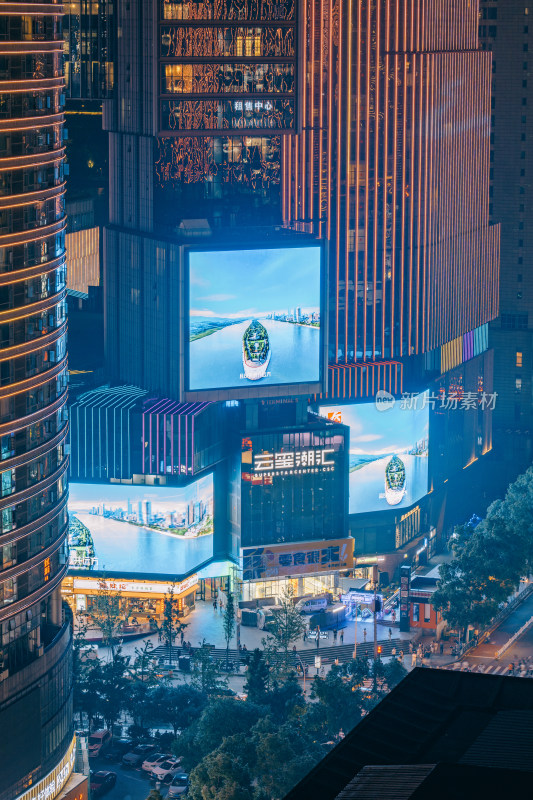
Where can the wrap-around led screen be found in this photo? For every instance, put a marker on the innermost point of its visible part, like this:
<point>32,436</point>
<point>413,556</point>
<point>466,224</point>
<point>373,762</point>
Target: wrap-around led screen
<point>140,530</point>
<point>388,457</point>
<point>254,317</point>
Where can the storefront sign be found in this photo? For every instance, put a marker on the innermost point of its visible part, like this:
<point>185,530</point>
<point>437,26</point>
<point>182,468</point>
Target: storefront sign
<point>135,587</point>
<point>368,560</point>
<point>294,463</point>
<point>296,559</point>
<point>49,787</point>
<point>405,589</point>
<point>360,597</point>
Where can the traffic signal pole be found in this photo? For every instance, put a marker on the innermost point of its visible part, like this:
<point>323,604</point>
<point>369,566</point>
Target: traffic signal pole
<point>375,582</point>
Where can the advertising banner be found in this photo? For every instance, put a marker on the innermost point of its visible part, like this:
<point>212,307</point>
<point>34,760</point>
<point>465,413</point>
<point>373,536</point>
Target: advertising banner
<point>388,456</point>
<point>131,530</point>
<point>300,558</point>
<point>254,317</point>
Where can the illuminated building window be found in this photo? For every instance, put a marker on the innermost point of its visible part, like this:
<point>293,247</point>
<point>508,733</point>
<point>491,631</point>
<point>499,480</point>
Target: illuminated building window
<point>518,358</point>
<point>47,569</point>
<point>518,384</point>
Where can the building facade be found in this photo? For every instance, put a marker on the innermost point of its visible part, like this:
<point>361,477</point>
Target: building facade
<point>366,128</point>
<point>504,30</point>
<point>35,655</point>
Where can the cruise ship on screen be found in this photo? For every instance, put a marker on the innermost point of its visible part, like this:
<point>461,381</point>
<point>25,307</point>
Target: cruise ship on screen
<point>256,351</point>
<point>394,481</point>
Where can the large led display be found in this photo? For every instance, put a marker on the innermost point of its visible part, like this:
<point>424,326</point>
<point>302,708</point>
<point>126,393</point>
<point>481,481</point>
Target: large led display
<point>254,317</point>
<point>140,530</point>
<point>388,458</point>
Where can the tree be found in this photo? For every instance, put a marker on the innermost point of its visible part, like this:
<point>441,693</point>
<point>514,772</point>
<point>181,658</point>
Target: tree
<point>229,624</point>
<point>155,794</point>
<point>137,703</point>
<point>394,673</point>
<point>206,675</point>
<point>285,700</point>
<point>171,626</point>
<point>219,776</point>
<point>144,667</point>
<point>287,627</point>
<point>257,677</point>
<point>180,705</point>
<point>113,687</point>
<point>339,703</point>
<point>283,755</point>
<point>107,614</point>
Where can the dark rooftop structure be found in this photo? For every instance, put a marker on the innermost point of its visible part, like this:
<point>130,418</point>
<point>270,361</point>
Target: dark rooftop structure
<point>438,734</point>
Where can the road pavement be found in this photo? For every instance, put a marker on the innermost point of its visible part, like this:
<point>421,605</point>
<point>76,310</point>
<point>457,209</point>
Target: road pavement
<point>483,658</point>
<point>132,784</point>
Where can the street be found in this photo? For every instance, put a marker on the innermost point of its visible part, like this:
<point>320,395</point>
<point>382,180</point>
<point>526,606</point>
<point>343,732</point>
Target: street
<point>132,784</point>
<point>483,657</point>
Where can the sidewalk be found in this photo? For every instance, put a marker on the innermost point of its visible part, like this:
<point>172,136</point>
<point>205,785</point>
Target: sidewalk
<point>204,623</point>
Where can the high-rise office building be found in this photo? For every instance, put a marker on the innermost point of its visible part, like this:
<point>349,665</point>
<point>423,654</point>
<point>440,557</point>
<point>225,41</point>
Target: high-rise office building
<point>89,37</point>
<point>392,167</point>
<point>505,29</point>
<point>35,654</point>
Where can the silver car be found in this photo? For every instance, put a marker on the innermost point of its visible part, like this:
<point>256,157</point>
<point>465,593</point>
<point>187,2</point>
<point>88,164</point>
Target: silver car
<point>179,785</point>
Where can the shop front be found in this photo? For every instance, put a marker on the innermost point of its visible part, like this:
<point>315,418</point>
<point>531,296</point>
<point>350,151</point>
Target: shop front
<point>139,601</point>
<point>305,568</point>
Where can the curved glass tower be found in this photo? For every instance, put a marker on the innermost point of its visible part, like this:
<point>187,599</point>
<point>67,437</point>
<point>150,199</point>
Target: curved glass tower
<point>35,681</point>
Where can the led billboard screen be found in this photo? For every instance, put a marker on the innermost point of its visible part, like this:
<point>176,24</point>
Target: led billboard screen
<point>123,529</point>
<point>388,458</point>
<point>254,317</point>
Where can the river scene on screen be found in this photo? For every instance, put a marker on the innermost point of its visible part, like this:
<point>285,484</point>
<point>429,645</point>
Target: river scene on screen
<point>140,530</point>
<point>254,317</point>
<point>388,460</point>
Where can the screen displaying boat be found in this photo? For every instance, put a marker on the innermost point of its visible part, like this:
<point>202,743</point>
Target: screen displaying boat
<point>255,351</point>
<point>388,458</point>
<point>254,318</point>
<point>394,481</point>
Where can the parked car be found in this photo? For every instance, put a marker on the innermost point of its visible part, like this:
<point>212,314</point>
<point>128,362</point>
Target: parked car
<point>118,748</point>
<point>179,785</point>
<point>98,742</point>
<point>310,605</point>
<point>139,754</point>
<point>166,771</point>
<point>154,761</point>
<point>102,782</point>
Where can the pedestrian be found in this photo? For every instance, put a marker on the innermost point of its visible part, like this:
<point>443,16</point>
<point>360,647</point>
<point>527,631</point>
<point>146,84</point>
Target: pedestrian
<point>364,634</point>
<point>305,635</point>
<point>220,605</point>
<point>413,658</point>
<point>294,648</point>
<point>335,635</point>
<point>342,637</point>
<point>441,647</point>
<point>401,657</point>
<point>390,634</point>
<point>182,637</point>
<point>394,652</point>
<point>410,647</point>
<point>215,604</point>
<point>393,615</point>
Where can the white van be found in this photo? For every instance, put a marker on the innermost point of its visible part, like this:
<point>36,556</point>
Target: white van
<point>310,605</point>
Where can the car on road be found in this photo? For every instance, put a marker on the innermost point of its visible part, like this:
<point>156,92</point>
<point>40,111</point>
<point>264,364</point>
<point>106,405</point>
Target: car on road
<point>98,742</point>
<point>165,771</point>
<point>118,748</point>
<point>179,785</point>
<point>154,761</point>
<point>139,754</point>
<point>102,782</point>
